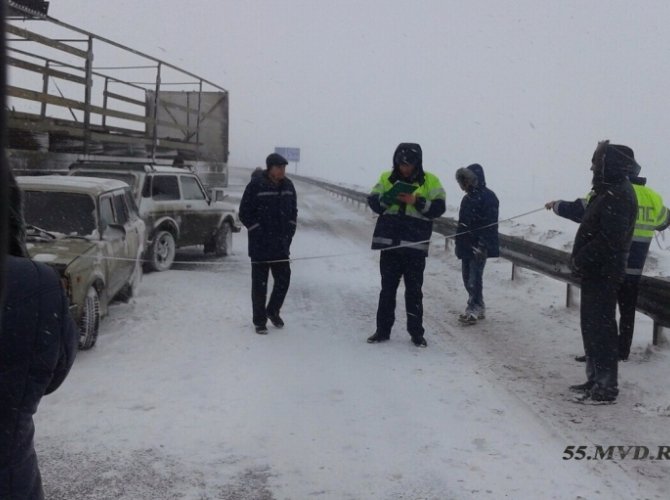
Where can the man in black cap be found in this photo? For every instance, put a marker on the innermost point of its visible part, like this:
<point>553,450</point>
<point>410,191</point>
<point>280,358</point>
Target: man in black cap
<point>269,211</point>
<point>599,256</point>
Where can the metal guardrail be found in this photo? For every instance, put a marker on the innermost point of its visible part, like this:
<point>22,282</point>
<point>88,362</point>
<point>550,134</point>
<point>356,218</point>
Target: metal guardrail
<point>653,299</point>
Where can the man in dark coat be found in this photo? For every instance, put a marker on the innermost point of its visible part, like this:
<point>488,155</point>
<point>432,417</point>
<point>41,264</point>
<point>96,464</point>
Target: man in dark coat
<point>269,211</point>
<point>599,256</point>
<point>652,216</point>
<point>38,343</point>
<point>402,233</point>
<point>476,237</point>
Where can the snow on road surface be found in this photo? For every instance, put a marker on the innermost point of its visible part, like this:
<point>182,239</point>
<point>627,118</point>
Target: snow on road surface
<point>180,399</point>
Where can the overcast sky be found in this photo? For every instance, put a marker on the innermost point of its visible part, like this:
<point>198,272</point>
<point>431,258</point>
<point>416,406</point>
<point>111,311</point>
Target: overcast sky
<point>526,88</point>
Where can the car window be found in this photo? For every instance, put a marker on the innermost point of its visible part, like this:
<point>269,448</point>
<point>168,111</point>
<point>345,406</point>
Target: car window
<point>72,214</point>
<point>120,208</point>
<point>165,187</point>
<point>146,187</point>
<point>130,203</point>
<point>106,211</point>
<point>191,188</point>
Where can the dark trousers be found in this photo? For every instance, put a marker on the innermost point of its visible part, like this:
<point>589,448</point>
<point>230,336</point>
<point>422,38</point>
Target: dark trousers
<point>599,332</point>
<point>394,265</point>
<point>281,275</point>
<point>627,298</point>
<point>472,269</point>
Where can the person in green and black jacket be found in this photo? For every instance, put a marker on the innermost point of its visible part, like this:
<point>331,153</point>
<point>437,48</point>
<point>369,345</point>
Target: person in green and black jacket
<point>402,233</point>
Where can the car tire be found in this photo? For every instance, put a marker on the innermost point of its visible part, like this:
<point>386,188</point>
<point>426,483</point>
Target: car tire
<point>162,251</point>
<point>89,322</point>
<point>223,240</point>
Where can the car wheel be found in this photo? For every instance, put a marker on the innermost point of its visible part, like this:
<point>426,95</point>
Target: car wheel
<point>90,320</point>
<point>162,251</point>
<point>223,241</point>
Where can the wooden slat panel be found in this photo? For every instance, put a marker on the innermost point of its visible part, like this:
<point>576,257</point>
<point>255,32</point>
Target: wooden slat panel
<point>45,126</point>
<point>18,63</point>
<point>120,97</point>
<point>33,95</point>
<point>29,35</point>
<point>71,103</point>
<point>34,123</point>
<point>120,114</point>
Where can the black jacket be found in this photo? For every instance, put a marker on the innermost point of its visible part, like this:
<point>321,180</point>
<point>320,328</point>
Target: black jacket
<point>604,236</point>
<point>574,210</point>
<point>399,225</point>
<point>477,217</point>
<point>269,211</point>
<point>38,343</point>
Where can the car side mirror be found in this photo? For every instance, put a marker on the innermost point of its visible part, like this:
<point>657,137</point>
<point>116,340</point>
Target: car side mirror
<point>218,194</point>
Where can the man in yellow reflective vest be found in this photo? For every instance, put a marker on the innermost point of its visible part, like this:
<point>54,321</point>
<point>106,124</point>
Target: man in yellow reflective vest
<point>407,200</point>
<point>652,216</point>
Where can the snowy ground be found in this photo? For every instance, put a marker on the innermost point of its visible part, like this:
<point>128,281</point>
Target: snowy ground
<point>180,399</point>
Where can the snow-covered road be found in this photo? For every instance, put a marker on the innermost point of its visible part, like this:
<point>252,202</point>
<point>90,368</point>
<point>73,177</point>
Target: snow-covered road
<point>181,399</point>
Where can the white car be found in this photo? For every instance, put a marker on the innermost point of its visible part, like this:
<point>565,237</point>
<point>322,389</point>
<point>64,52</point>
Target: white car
<point>175,207</point>
<point>89,230</point>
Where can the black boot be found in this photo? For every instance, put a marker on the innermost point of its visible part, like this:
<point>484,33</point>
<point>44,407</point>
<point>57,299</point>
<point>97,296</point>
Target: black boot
<point>261,329</point>
<point>377,337</point>
<point>276,320</point>
<point>584,388</point>
<point>419,342</point>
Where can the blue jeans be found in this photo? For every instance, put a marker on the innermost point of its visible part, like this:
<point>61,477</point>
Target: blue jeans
<point>473,272</point>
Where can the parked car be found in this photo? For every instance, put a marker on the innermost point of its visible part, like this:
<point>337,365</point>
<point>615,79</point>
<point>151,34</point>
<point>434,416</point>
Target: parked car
<point>175,207</point>
<point>89,230</point>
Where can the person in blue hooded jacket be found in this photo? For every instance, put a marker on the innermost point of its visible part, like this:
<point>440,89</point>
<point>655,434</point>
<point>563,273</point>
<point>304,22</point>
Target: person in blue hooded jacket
<point>38,344</point>
<point>476,237</point>
<point>402,234</point>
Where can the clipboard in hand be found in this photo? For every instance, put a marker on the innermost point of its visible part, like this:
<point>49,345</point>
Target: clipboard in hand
<point>389,197</point>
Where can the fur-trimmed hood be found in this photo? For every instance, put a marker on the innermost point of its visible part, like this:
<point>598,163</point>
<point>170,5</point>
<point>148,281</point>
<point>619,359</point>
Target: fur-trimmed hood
<point>408,152</point>
<point>471,177</point>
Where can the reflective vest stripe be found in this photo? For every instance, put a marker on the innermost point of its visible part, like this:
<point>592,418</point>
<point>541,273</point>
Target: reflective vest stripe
<point>421,246</point>
<point>395,209</point>
<point>382,241</point>
<point>427,206</point>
